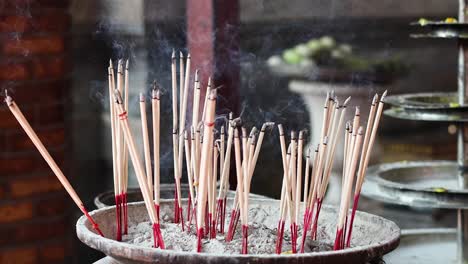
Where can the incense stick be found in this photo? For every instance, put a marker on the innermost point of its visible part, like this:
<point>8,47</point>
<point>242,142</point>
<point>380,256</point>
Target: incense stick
<point>48,158</point>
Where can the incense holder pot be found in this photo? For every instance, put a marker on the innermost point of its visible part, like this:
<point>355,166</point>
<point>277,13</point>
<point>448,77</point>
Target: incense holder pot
<point>373,236</point>
<point>314,94</point>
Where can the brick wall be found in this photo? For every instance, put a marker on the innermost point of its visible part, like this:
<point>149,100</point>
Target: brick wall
<point>34,67</point>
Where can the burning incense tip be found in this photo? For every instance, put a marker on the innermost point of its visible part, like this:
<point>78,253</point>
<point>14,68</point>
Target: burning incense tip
<point>196,77</point>
<point>268,125</point>
<point>209,82</point>
<point>181,55</point>
<point>252,132</point>
<point>281,130</point>
<point>8,99</point>
<point>374,100</point>
<point>293,135</point>
<point>118,96</point>
<point>337,102</point>
<point>358,111</point>
<point>110,63</point>
<point>332,95</point>
<point>188,56</point>
<point>213,94</point>
<point>325,140</point>
<point>142,97</point>
<point>126,64</point>
<point>173,55</point>
<point>346,101</point>
<point>360,130</point>
<point>236,122</point>
<point>383,96</point>
<point>317,148</point>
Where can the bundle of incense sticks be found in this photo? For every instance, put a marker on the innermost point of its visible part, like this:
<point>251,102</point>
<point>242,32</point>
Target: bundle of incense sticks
<point>178,125</point>
<point>244,170</point>
<point>369,139</point>
<point>292,185</point>
<point>15,110</point>
<point>318,170</point>
<point>119,149</point>
<point>139,169</point>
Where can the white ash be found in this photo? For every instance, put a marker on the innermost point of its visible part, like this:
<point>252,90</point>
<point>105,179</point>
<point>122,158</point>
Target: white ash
<point>261,240</point>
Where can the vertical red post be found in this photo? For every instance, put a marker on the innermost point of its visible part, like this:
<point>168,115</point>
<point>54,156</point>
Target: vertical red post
<point>213,42</point>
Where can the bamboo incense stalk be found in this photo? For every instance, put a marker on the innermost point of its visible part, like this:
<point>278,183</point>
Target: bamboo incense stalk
<point>113,131</point>
<point>208,91</point>
<point>155,107</point>
<point>196,100</point>
<point>239,173</point>
<point>139,169</point>
<point>346,193</point>
<point>15,110</point>
<point>331,156</point>
<point>146,144</point>
<point>204,165</point>
<point>363,164</point>
<point>181,87</point>
<point>125,156</point>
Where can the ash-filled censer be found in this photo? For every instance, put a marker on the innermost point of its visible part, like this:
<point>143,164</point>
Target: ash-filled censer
<point>206,226</point>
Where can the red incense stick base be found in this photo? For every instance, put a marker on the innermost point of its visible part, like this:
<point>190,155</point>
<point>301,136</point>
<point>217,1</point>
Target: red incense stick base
<point>338,239</point>
<point>157,236</point>
<point>279,238</point>
<point>125,214</point>
<point>294,238</point>
<point>93,223</point>
<point>118,217</point>
<point>351,222</point>
<point>245,236</point>
<point>200,234</point>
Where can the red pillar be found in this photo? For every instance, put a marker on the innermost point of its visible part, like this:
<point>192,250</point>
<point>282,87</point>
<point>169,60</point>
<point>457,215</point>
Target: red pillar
<point>213,42</point>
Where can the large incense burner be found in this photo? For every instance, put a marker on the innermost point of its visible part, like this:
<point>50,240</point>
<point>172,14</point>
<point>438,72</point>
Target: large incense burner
<point>373,237</point>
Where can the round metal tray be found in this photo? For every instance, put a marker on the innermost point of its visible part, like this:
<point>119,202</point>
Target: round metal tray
<point>424,115</point>
<point>441,29</point>
<point>422,246</point>
<point>373,238</point>
<point>433,102</point>
<point>426,184</point>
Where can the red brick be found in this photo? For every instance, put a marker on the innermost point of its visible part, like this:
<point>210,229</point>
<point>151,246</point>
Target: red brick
<point>50,114</point>
<point>26,163</point>
<point>17,165</point>
<point>14,24</point>
<point>55,205</point>
<point>15,212</point>
<point>27,93</point>
<point>34,185</point>
<point>33,45</point>
<point>37,22</point>
<point>50,138</point>
<point>29,232</point>
<point>55,67</point>
<point>53,252</point>
<point>23,255</point>
<point>11,71</point>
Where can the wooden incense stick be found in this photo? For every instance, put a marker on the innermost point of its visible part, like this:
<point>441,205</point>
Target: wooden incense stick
<point>146,144</point>
<point>139,170</point>
<point>367,148</point>
<point>156,112</point>
<point>205,166</point>
<point>15,110</point>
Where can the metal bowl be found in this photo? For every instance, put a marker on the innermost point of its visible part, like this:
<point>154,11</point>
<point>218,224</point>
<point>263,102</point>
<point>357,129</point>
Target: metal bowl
<point>373,237</point>
<point>441,29</point>
<point>425,184</point>
<point>442,102</point>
